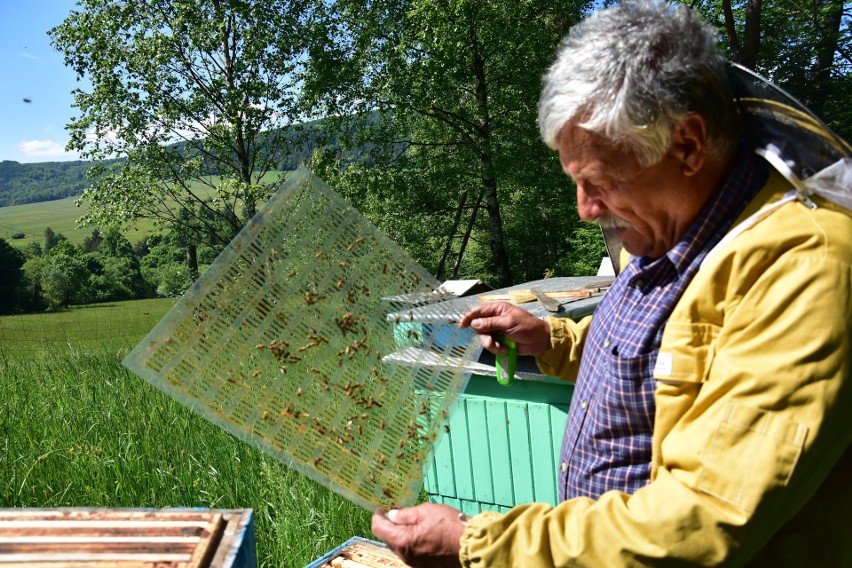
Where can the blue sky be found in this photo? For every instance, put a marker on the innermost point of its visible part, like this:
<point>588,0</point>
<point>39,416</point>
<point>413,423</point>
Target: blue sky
<point>31,69</point>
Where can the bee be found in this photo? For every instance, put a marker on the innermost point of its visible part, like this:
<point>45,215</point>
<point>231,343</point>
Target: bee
<point>299,391</point>
<point>317,462</point>
<point>342,264</point>
<point>259,346</point>
<point>382,459</point>
<point>387,493</point>
<point>256,373</point>
<point>265,415</point>
<point>340,283</point>
<point>385,269</point>
<point>382,424</point>
<point>447,428</point>
<point>282,369</point>
<point>231,380</point>
<point>401,443</point>
<point>399,455</point>
<point>372,476</point>
<point>291,274</point>
<point>359,241</point>
<point>319,254</point>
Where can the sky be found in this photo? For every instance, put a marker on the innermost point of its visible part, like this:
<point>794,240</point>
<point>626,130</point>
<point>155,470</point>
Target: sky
<point>32,69</point>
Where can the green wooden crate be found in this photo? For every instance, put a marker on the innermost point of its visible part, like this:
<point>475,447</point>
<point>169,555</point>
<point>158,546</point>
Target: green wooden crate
<point>502,447</point>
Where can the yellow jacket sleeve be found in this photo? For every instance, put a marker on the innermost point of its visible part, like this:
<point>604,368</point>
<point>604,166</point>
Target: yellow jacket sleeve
<point>562,360</point>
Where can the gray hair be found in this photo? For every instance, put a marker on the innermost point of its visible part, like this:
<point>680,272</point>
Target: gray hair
<point>632,72</point>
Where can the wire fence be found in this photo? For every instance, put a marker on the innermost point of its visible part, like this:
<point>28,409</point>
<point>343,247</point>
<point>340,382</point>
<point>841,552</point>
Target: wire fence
<point>82,328</point>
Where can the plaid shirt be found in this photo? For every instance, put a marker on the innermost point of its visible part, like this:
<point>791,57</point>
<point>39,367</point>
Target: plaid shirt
<point>607,443</point>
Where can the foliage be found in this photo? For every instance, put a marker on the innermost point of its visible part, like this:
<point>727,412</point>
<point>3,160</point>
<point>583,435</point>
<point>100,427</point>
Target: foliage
<point>31,183</point>
<point>183,89</point>
<point>445,94</point>
<point>803,47</point>
<point>11,261</point>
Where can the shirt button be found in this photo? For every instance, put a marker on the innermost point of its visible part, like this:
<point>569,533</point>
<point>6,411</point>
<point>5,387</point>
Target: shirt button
<point>607,343</point>
<point>584,404</point>
<point>563,467</point>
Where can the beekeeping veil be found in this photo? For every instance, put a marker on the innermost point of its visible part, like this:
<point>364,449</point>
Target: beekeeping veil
<point>793,140</point>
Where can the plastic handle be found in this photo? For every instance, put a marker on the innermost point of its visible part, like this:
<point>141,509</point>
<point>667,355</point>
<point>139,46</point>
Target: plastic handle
<point>511,361</point>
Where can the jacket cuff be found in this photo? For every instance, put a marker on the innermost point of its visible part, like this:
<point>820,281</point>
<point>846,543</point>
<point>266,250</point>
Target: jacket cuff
<point>552,360</point>
<point>475,536</point>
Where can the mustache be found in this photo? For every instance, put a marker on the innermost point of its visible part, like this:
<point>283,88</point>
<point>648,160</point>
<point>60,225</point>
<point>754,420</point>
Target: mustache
<point>612,222</point>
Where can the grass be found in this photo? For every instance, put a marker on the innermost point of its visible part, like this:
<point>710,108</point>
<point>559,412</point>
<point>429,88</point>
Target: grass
<point>78,429</point>
<point>60,215</point>
<point>80,326</point>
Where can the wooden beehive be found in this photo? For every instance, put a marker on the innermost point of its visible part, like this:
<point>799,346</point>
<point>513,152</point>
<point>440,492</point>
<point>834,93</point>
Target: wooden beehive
<point>126,538</point>
<point>358,552</point>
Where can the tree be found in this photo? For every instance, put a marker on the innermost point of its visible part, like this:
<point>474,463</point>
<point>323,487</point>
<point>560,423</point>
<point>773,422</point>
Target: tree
<point>192,93</point>
<point>119,275</point>
<point>805,47</point>
<point>11,263</point>
<point>446,93</point>
<point>59,278</point>
<point>51,239</point>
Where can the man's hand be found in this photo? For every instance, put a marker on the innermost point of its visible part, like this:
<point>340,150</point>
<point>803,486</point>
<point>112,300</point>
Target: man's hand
<point>496,319</point>
<point>425,535</point>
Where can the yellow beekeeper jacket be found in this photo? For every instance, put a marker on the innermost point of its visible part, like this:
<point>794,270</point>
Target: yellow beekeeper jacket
<point>751,462</point>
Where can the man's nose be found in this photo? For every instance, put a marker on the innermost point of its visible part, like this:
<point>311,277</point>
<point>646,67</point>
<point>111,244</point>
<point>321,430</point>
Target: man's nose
<point>589,204</point>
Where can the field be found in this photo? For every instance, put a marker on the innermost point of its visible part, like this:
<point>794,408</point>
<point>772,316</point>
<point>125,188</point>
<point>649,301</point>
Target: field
<point>77,429</point>
<point>60,215</point>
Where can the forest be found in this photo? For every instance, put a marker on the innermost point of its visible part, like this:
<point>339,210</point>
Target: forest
<point>421,113</point>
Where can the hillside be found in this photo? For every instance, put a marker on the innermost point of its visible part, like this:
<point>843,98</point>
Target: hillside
<point>61,215</point>
<point>44,181</point>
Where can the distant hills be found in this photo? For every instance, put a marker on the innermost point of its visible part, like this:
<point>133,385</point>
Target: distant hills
<point>44,181</point>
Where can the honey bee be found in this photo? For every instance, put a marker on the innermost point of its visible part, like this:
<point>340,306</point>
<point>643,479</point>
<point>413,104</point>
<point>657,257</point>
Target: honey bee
<point>265,415</point>
<point>319,254</point>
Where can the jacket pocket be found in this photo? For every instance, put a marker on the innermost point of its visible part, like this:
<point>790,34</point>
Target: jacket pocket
<point>752,452</point>
<point>686,352</point>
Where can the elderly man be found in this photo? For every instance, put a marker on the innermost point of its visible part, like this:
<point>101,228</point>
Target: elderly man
<point>711,417</point>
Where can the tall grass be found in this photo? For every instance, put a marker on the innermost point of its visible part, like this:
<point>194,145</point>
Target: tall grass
<point>77,429</point>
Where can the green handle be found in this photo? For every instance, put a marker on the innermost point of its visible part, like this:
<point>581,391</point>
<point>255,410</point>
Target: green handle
<point>511,357</point>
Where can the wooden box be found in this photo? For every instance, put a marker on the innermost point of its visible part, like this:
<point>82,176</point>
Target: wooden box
<point>359,552</point>
<point>126,538</point>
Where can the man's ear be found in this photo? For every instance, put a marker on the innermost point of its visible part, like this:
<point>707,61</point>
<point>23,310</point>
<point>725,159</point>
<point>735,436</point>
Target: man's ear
<point>689,143</point>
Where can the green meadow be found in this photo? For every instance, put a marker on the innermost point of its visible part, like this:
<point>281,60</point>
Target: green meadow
<point>79,430</point>
<point>60,215</point>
